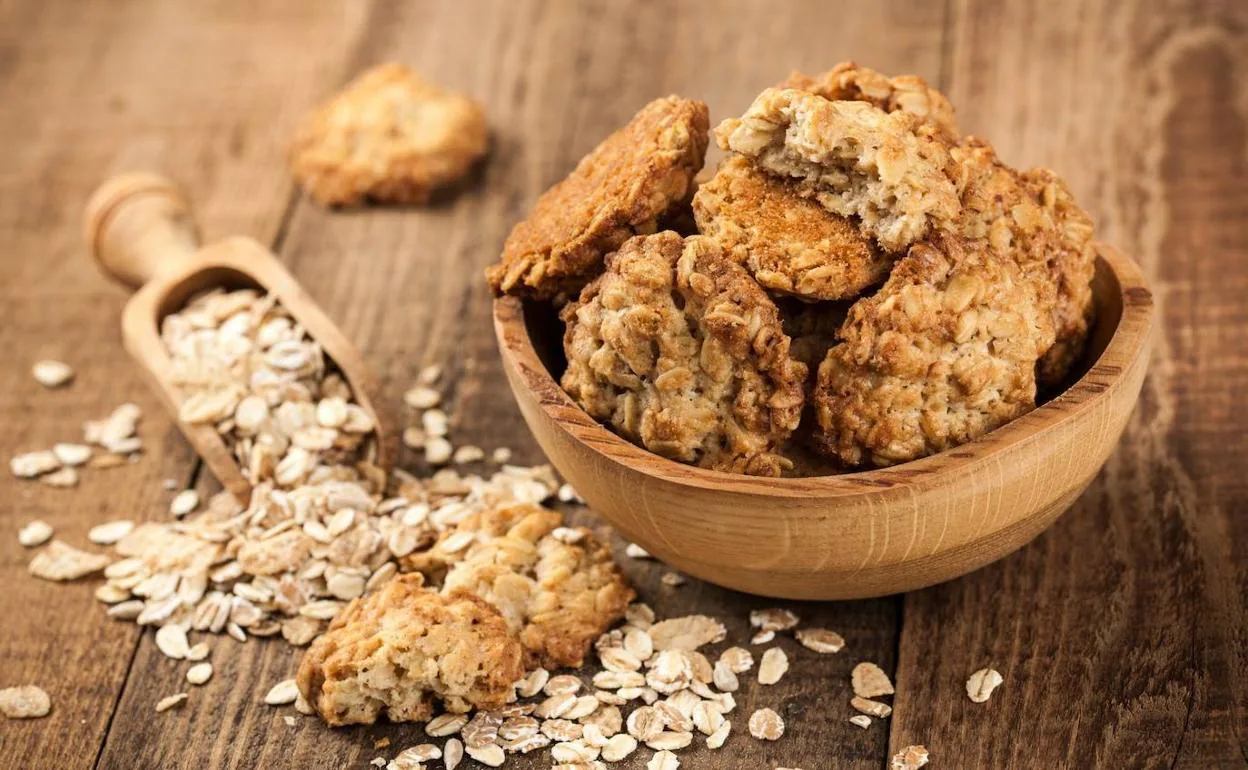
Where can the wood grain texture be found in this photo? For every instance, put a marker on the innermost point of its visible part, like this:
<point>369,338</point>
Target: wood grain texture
<point>406,285</point>
<point>89,89</point>
<point>1121,633</point>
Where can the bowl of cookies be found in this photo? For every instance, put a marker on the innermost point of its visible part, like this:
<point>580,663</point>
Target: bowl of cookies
<point>862,357</point>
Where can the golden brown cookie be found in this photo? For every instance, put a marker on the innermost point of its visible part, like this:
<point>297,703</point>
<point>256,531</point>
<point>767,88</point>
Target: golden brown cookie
<point>943,353</point>
<point>636,176</point>
<point>790,244</point>
<point>394,652</point>
<point>908,93</point>
<point>854,159</point>
<point>679,350</point>
<point>1032,219</point>
<point>388,137</point>
<point>557,591</point>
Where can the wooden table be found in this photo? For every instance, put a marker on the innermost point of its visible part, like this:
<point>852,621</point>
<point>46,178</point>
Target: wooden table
<point>1122,632</point>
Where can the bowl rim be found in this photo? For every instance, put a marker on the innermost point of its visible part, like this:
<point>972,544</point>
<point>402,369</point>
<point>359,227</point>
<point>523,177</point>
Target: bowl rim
<point>1127,343</point>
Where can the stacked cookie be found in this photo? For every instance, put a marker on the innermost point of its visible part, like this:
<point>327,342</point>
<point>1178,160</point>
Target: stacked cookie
<point>858,268</point>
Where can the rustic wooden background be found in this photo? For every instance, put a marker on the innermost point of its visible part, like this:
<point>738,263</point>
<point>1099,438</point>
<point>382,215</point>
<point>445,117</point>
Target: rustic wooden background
<point>1122,632</point>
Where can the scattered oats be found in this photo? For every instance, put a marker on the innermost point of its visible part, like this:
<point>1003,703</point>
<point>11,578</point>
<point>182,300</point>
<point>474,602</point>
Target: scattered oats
<point>820,640</point>
<point>199,673</point>
<point>618,747</point>
<point>573,751</point>
<point>24,702</point>
<point>436,423</point>
<point>981,684</point>
<point>707,717</point>
<point>331,413</point>
<point>164,704</point>
<point>869,680</point>
<point>282,693</point>
<point>198,651</point>
<point>687,633</point>
<point>468,454</point>
<point>637,552</point>
<point>452,753</point>
<point>773,666</point>
<point>445,724</point>
<point>663,760</point>
<point>111,532</point>
<point>555,705</point>
<point>766,725</point>
<point>126,610</point>
<point>52,374</point>
<point>171,640</point>
<point>909,758</point>
<point>639,644</point>
<point>562,684</point>
<point>322,609</point>
<point>184,502</point>
<point>566,494</point>
<point>773,619</point>
<point>673,579</point>
<point>32,464</point>
<point>644,723</point>
<point>289,720</point>
<point>619,660</point>
<point>582,707</point>
<point>63,478</point>
<point>569,535</point>
<point>34,533</point>
<point>669,740</point>
<point>422,397</point>
<point>377,762</point>
<point>111,593</point>
<point>608,719</point>
<point>616,680</point>
<point>300,630</point>
<point>871,707</point>
<point>670,671</point>
<point>424,752</point>
<point>716,739</point>
<point>236,631</point>
<point>106,461</point>
<point>862,720</point>
<point>501,456</point>
<point>59,561</point>
<point>72,454</point>
<point>738,659</point>
<point>438,451</point>
<point>561,729</point>
<point>490,755</point>
<point>533,683</point>
<point>430,374</point>
<point>725,678</point>
<point>763,637</point>
<point>345,585</point>
<point>414,438</point>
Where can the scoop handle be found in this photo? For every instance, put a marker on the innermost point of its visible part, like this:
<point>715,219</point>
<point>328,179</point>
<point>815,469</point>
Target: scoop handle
<point>139,225</point>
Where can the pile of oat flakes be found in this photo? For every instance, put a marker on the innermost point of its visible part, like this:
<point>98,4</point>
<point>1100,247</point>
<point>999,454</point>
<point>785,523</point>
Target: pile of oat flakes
<point>325,525</point>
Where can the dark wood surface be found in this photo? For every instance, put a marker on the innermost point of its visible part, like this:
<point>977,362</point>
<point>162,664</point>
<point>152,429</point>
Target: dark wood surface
<point>1122,632</point>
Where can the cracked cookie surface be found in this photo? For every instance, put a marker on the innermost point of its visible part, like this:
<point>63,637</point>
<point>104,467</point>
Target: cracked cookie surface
<point>679,350</point>
<point>397,651</point>
<point>943,353</point>
<point>557,592</point>
<point>790,244</point>
<point>624,187</point>
<point>388,137</point>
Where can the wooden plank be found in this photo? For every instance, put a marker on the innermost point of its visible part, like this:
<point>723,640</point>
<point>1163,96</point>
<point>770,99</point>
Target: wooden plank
<point>207,95</point>
<point>1121,633</point>
<point>406,285</point>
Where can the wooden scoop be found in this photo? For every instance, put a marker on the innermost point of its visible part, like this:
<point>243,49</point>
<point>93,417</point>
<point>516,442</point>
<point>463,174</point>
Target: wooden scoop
<point>140,230</point>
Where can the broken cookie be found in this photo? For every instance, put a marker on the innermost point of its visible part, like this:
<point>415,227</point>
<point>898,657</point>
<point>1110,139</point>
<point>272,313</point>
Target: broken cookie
<point>557,594</point>
<point>790,244</point>
<point>394,652</point>
<point>679,350</point>
<point>621,189</point>
<point>388,137</point>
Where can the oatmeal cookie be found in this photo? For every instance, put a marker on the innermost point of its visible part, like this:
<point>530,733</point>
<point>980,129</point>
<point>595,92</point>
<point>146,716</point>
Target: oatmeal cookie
<point>388,137</point>
<point>681,352</point>
<point>556,596</point>
<point>856,160</point>
<point>848,81</point>
<point>943,353</point>
<point>1032,218</point>
<point>394,652</point>
<point>790,244</point>
<point>623,188</point>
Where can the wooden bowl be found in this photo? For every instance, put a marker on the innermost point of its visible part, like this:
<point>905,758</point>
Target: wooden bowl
<point>853,535</point>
